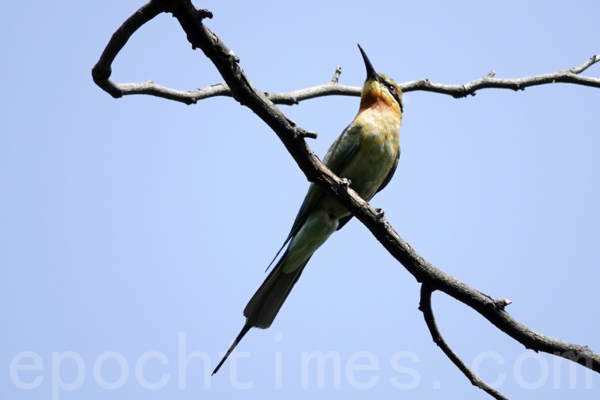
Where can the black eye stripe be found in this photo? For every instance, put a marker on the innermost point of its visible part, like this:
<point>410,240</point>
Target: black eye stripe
<point>393,91</point>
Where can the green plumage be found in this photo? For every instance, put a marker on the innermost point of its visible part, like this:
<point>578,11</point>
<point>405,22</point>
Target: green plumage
<point>366,154</point>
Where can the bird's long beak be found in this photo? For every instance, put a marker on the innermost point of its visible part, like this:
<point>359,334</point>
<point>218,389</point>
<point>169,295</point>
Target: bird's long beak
<point>371,73</point>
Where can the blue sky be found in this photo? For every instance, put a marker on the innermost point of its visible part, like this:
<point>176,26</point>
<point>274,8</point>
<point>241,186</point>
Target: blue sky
<point>134,231</point>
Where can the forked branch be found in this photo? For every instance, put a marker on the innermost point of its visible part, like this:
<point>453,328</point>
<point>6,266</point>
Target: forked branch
<point>425,307</point>
<point>102,71</point>
<point>238,85</point>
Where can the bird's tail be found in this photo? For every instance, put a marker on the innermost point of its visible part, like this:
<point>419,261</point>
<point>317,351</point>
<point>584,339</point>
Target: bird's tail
<point>268,299</point>
<point>238,339</point>
<point>266,302</point>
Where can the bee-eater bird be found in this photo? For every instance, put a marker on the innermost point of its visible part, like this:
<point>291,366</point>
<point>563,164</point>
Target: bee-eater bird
<point>366,154</point>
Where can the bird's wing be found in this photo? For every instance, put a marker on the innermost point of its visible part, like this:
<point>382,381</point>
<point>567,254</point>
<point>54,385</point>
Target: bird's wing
<point>388,178</point>
<point>390,174</point>
<point>339,154</point>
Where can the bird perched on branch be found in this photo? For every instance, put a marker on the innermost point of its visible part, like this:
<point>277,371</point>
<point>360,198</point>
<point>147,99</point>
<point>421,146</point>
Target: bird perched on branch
<point>366,154</point>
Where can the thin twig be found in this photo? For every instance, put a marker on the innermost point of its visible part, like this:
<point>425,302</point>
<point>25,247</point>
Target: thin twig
<point>191,97</point>
<point>425,307</point>
<point>490,82</point>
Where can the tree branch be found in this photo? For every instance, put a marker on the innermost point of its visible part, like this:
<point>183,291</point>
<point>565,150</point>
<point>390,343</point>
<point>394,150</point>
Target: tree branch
<point>489,82</point>
<point>425,307</point>
<point>292,137</point>
<point>102,71</point>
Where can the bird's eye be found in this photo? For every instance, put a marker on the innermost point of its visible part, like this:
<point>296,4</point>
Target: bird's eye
<point>393,89</point>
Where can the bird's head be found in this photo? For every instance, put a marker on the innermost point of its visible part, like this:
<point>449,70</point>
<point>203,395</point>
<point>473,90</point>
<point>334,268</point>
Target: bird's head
<point>379,90</point>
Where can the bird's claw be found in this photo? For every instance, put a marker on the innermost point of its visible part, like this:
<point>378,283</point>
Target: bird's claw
<point>346,182</point>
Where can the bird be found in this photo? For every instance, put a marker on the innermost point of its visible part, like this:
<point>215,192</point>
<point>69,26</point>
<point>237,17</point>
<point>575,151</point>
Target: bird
<point>366,154</point>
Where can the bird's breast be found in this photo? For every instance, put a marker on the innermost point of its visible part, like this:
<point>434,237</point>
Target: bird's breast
<point>377,151</point>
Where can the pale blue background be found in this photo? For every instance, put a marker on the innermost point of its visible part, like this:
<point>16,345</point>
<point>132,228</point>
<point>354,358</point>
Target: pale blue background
<point>125,222</point>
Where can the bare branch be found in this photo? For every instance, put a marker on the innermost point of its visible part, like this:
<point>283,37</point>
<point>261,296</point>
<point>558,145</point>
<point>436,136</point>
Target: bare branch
<point>102,71</point>
<point>425,307</point>
<point>191,97</point>
<point>489,82</point>
<point>336,76</point>
<point>456,91</point>
<point>593,60</point>
<point>328,89</point>
<point>293,138</point>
